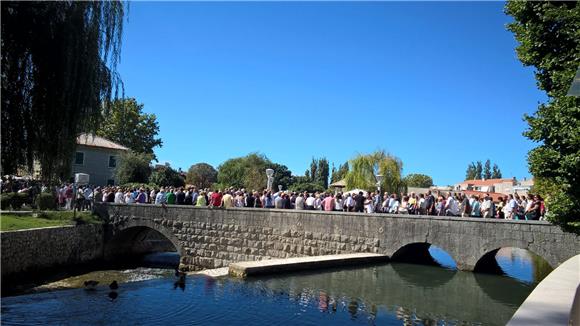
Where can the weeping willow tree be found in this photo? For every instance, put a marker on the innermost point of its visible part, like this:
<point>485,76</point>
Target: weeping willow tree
<point>58,74</point>
<point>364,168</point>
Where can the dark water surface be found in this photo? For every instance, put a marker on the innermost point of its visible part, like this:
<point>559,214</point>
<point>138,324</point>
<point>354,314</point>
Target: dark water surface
<point>391,294</point>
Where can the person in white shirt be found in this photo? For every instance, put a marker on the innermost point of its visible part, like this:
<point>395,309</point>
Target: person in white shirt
<point>394,204</point>
<point>129,199</point>
<point>119,197</point>
<point>160,198</point>
<point>349,203</point>
<point>310,202</point>
<point>511,207</point>
<point>299,204</point>
<point>152,196</point>
<point>451,206</point>
<point>486,207</point>
<point>404,207</point>
<point>338,202</point>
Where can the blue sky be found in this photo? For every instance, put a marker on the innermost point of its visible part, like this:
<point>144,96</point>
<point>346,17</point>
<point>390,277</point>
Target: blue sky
<point>436,84</point>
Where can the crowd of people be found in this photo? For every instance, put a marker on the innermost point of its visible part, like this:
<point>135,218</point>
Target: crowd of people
<point>530,207</point>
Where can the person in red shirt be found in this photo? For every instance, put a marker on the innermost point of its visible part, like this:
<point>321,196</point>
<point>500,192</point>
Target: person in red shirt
<point>216,199</point>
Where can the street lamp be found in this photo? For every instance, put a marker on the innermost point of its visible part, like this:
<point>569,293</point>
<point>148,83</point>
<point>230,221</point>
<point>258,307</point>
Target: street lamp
<point>270,174</point>
<point>379,178</point>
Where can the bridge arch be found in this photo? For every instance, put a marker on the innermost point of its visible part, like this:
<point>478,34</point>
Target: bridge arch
<point>487,263</point>
<point>140,236</point>
<point>418,252</point>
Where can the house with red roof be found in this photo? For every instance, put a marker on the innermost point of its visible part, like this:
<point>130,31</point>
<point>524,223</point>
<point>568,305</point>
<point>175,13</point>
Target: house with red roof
<point>497,186</point>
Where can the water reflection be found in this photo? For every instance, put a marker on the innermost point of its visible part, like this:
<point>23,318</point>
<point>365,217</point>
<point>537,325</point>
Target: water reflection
<point>406,291</point>
<point>522,264</point>
<point>391,294</point>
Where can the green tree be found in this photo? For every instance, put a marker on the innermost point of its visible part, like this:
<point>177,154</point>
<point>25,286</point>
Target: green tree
<point>549,40</point>
<point>364,168</point>
<point>231,173</point>
<point>306,186</point>
<point>340,173</point>
<point>418,180</point>
<point>282,176</point>
<point>166,176</point>
<point>478,170</point>
<point>128,125</point>
<point>313,170</point>
<point>322,173</point>
<point>471,173</point>
<point>201,175</point>
<point>496,172</point>
<point>59,63</point>
<point>487,170</point>
<point>134,167</point>
<point>245,172</point>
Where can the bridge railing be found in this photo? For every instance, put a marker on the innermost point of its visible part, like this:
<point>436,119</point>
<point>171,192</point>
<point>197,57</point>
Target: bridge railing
<point>319,212</point>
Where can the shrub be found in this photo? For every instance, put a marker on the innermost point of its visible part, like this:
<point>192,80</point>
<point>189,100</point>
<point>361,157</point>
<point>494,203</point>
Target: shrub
<point>137,185</point>
<point>6,200</point>
<point>46,201</point>
<point>19,199</point>
<point>307,186</point>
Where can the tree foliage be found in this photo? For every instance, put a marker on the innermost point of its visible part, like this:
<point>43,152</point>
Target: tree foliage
<point>496,172</point>
<point>134,168</point>
<point>471,173</point>
<point>487,170</point>
<point>418,180</point>
<point>201,175</point>
<point>319,172</point>
<point>166,176</point>
<point>282,176</point>
<point>548,33</point>
<point>364,168</point>
<point>244,172</point>
<point>340,173</point>
<point>128,125</point>
<point>478,171</point>
<point>59,63</point>
<point>306,186</point>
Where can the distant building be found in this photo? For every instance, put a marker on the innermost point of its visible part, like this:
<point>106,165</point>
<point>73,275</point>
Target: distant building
<point>98,157</point>
<point>500,186</point>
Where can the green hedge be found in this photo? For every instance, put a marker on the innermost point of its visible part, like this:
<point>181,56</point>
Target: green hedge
<point>14,200</point>
<point>46,201</point>
<point>5,201</point>
<point>139,185</point>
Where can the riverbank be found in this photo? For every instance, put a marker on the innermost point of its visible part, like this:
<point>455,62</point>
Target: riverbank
<point>13,221</point>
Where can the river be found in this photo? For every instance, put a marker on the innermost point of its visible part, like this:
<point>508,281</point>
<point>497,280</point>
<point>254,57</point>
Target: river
<point>388,294</point>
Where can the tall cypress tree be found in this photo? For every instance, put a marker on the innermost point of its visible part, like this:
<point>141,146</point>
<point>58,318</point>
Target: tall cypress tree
<point>478,170</point>
<point>487,170</point>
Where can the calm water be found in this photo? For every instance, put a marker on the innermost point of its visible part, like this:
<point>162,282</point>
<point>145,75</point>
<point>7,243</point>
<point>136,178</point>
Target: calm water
<point>391,294</point>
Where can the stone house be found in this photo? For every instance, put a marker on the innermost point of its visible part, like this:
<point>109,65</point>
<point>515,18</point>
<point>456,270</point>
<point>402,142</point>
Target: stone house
<point>501,186</point>
<point>98,157</point>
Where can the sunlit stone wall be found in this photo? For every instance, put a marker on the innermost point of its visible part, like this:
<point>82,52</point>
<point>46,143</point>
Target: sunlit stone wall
<point>211,238</point>
<point>34,250</point>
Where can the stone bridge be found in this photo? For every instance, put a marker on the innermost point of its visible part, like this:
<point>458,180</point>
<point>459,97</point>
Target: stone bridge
<point>212,238</point>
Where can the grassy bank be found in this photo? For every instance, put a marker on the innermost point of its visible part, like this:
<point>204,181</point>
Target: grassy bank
<point>10,222</point>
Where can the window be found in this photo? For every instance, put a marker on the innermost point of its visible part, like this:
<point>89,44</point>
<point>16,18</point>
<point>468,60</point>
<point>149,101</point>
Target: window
<point>110,182</point>
<point>112,161</point>
<point>79,158</point>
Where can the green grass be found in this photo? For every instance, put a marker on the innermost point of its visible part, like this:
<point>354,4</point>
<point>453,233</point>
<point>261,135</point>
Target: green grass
<point>11,222</point>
